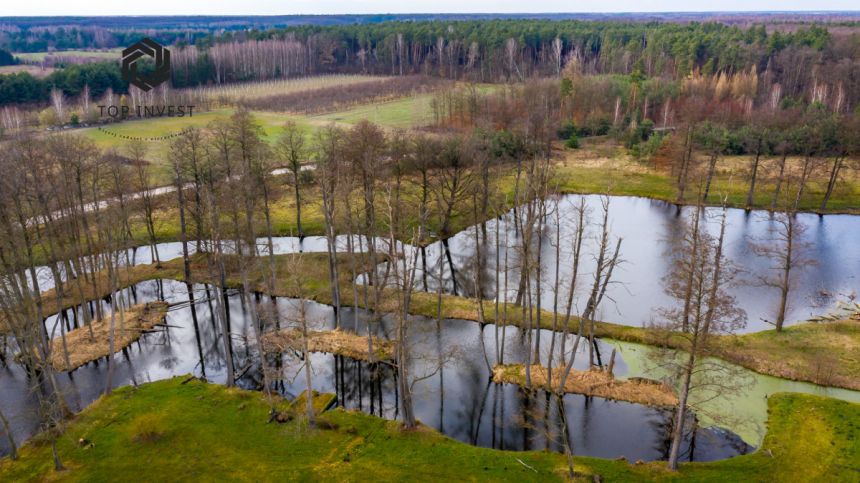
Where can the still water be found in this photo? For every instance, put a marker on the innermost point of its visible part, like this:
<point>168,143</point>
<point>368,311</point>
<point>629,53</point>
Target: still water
<point>649,229</point>
<point>454,395</point>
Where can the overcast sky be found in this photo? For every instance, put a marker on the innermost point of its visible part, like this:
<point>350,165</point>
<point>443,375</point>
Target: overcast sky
<point>285,7</point>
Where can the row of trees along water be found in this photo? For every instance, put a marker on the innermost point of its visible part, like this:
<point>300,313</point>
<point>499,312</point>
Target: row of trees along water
<point>708,122</point>
<point>74,208</point>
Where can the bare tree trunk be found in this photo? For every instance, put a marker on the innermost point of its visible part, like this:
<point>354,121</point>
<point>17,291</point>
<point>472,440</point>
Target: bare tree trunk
<point>788,263</point>
<point>834,177</point>
<point>779,180</point>
<point>753,175</point>
<point>556,288</point>
<point>712,167</point>
<point>804,177</point>
<point>308,371</point>
<point>577,250</point>
<point>685,165</point>
<point>498,294</point>
<point>298,207</point>
<point>681,411</point>
<point>58,465</point>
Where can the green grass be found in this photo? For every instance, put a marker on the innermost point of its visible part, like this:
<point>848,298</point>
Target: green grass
<point>208,432</point>
<point>108,137</point>
<point>402,113</point>
<point>824,353</point>
<point>602,165</point>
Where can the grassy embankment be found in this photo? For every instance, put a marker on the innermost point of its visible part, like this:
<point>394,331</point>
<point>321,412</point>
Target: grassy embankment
<point>170,430</point>
<point>822,352</point>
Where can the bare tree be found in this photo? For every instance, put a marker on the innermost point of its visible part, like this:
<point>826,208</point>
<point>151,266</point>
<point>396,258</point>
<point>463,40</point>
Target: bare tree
<point>787,251</point>
<point>186,153</point>
<point>704,309</point>
<point>137,154</point>
<point>605,266</point>
<point>328,145</point>
<point>290,149</point>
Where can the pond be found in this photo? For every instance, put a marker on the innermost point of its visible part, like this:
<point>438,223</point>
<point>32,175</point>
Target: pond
<point>454,395</point>
<point>649,228</point>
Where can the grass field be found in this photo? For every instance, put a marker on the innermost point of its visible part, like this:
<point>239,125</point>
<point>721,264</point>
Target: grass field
<point>33,70</point>
<point>109,136</point>
<point>170,430</point>
<point>602,165</point>
<point>402,113</point>
<point>254,90</point>
<point>106,54</point>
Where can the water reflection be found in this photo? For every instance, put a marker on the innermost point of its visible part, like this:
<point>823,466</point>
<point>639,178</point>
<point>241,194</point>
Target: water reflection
<point>649,228</point>
<point>454,393</point>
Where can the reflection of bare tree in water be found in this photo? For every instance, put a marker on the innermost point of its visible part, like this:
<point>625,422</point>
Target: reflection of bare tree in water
<point>545,423</point>
<point>663,427</point>
<point>192,305</point>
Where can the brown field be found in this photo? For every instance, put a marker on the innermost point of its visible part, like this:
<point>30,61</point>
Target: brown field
<point>34,70</point>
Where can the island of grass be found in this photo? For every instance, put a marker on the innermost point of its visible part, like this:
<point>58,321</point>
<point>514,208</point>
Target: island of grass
<point>185,429</point>
<point>88,343</point>
<point>338,342</point>
<point>594,382</point>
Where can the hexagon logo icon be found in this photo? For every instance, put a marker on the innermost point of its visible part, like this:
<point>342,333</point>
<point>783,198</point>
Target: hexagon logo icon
<point>151,48</point>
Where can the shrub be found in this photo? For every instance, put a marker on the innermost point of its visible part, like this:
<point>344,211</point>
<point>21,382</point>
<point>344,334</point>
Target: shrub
<point>147,428</point>
<point>306,176</point>
<point>567,129</point>
<point>572,142</point>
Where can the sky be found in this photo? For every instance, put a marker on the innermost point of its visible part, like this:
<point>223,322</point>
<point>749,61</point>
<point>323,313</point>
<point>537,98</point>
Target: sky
<point>286,7</point>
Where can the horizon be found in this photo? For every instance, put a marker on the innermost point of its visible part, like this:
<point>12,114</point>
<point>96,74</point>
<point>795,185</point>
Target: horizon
<point>335,14</point>
<point>273,8</point>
